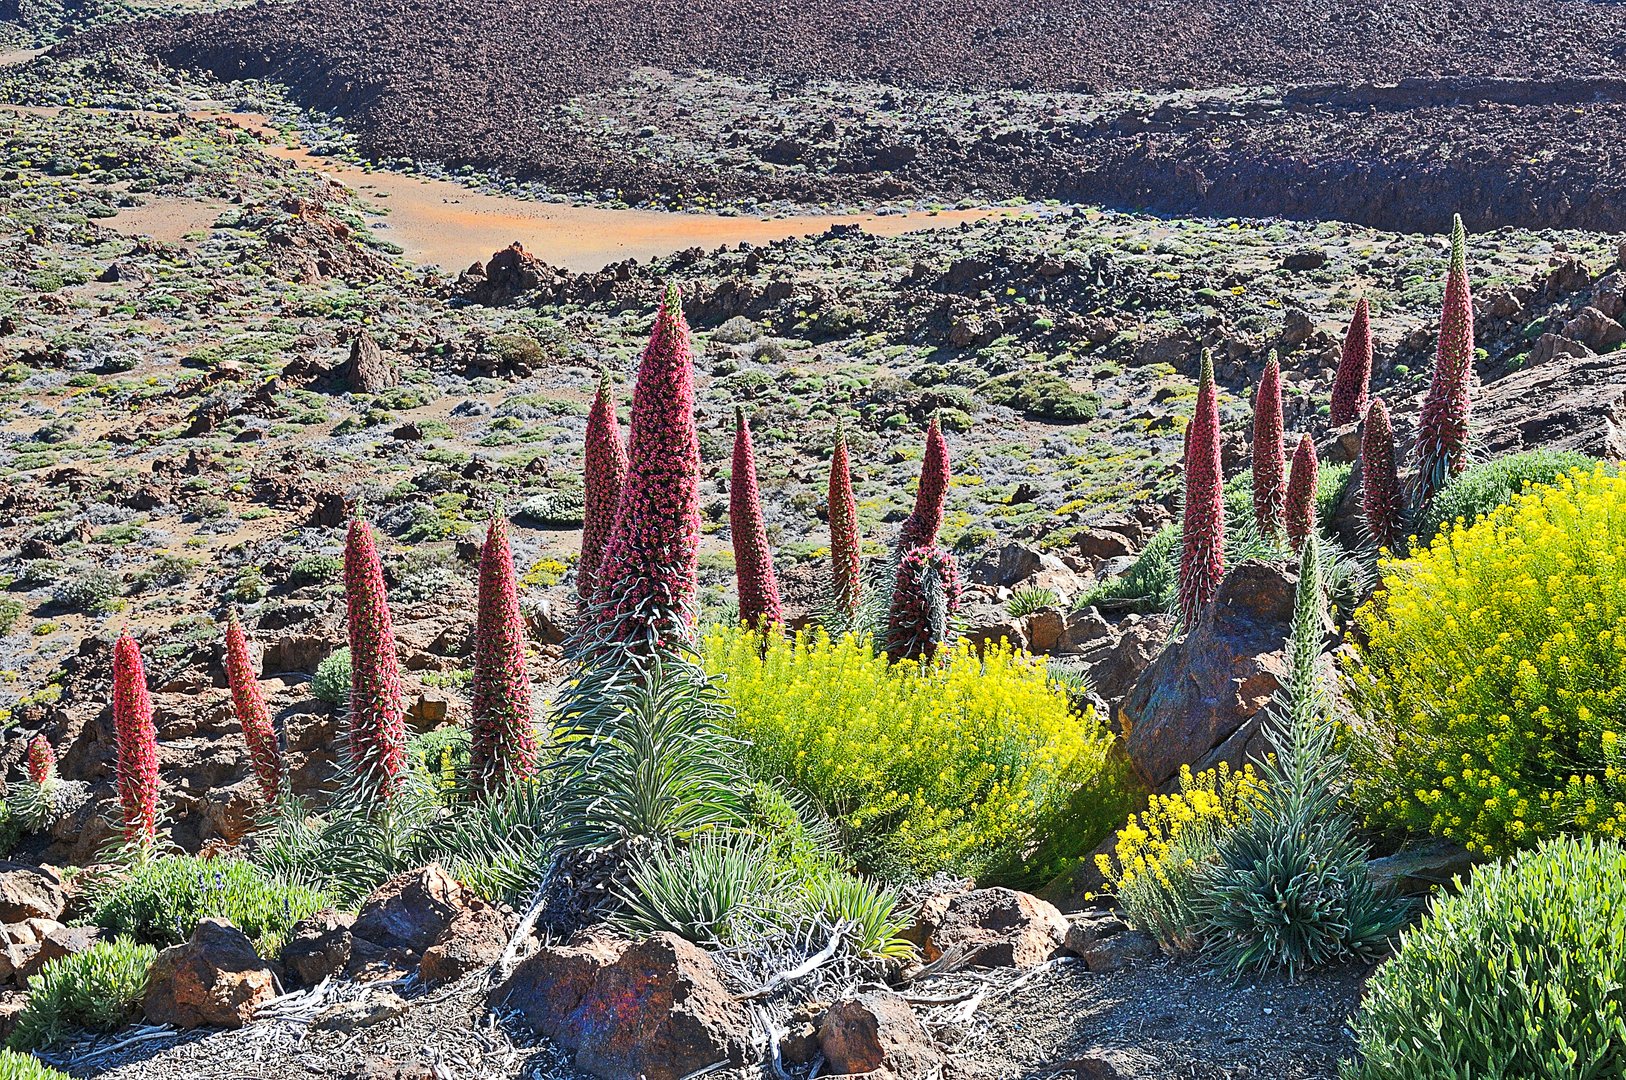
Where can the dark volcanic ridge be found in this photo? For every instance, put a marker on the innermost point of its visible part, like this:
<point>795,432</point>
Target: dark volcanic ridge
<point>1510,111</point>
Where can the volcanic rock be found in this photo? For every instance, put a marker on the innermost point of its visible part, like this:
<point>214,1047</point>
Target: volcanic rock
<point>214,980</point>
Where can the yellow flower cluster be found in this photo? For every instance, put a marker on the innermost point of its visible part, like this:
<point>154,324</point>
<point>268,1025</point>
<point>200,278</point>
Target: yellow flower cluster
<point>963,765</point>
<point>1158,850</point>
<point>1493,679</point>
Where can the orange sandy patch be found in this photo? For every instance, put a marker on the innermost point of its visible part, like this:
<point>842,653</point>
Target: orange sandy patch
<point>444,223</point>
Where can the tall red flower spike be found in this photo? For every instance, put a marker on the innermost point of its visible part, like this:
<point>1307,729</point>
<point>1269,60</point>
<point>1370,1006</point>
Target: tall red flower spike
<point>1349,389</point>
<point>753,562</point>
<point>647,579</point>
<point>249,704</point>
<point>41,761</point>
<point>377,727</point>
<point>845,562</point>
<point>605,471</point>
<point>1442,429</point>
<point>136,744</point>
<point>920,529</point>
<point>1301,486</point>
<point>502,744</point>
<point>1202,541</point>
<point>926,598</point>
<point>1269,458</point>
<point>1382,506</point>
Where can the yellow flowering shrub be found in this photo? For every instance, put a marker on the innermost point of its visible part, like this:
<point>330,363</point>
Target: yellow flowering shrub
<point>977,766</point>
<point>1158,852</point>
<point>1492,678</point>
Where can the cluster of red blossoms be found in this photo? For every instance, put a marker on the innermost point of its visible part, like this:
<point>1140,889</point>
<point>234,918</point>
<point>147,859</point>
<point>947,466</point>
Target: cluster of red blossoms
<point>1286,502</point>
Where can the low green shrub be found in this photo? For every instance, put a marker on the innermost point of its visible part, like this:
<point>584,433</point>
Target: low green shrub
<point>88,591</point>
<point>1518,975</point>
<point>975,765</point>
<point>162,901</point>
<point>1493,484</point>
<point>16,1066</point>
<point>98,990</point>
<point>1043,394</point>
<point>331,683</point>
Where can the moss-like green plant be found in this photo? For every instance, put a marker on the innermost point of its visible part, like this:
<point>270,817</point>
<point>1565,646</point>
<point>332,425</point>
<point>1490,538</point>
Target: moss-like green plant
<point>1517,975</point>
<point>1493,484</point>
<point>98,990</point>
<point>163,899</point>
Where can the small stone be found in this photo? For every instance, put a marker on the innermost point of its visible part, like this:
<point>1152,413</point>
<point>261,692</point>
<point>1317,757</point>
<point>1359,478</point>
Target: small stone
<point>1087,928</point>
<point>876,1029</point>
<point>1120,951</point>
<point>349,1016</point>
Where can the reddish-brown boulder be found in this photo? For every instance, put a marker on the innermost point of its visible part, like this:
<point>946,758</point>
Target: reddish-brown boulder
<point>411,910</point>
<point>214,980</point>
<point>475,939</point>
<point>995,928</point>
<point>1198,703</point>
<point>875,1030</point>
<point>655,1009</point>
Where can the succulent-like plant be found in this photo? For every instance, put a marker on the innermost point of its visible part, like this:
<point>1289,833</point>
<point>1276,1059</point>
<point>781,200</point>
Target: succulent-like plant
<point>924,601</point>
<point>249,704</point>
<point>604,472</point>
<point>1383,508</point>
<point>1442,428</point>
<point>647,578</point>
<point>502,733</point>
<point>136,744</point>
<point>1202,555</point>
<point>1349,388</point>
<point>845,563</point>
<point>753,562</point>
<point>1269,457</point>
<point>920,529</point>
<point>1301,487</point>
<point>41,762</point>
<point>376,728</point>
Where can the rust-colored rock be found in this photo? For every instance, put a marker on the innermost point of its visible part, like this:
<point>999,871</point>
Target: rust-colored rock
<point>995,928</point>
<point>1198,703</point>
<point>318,946</point>
<point>411,910</point>
<point>875,1030</point>
<point>214,980</point>
<point>654,1009</point>
<point>475,939</point>
<point>29,892</point>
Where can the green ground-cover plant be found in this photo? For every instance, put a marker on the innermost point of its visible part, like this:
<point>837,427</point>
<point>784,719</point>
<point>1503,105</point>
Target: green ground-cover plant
<point>1488,681</point>
<point>17,1066</point>
<point>1517,975</point>
<point>1490,485</point>
<point>98,990</point>
<point>162,900</point>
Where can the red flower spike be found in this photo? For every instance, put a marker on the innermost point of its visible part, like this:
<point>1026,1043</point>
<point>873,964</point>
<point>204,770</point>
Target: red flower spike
<point>41,761</point>
<point>502,744</point>
<point>1202,550</point>
<point>753,562</point>
<point>604,472</point>
<point>1301,486</point>
<point>1349,389</point>
<point>1382,506</point>
<point>647,578</point>
<point>249,704</point>
<point>136,744</point>
<point>377,728</point>
<point>845,561</point>
<point>1269,458</point>
<point>1442,429</point>
<point>920,529</point>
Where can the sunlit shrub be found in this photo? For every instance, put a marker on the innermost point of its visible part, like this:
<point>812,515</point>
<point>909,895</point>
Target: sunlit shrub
<point>976,766</point>
<point>1518,975</point>
<point>163,900</point>
<point>1493,484</point>
<point>1492,679</point>
<point>15,1066</point>
<point>98,990</point>
<point>1159,850</point>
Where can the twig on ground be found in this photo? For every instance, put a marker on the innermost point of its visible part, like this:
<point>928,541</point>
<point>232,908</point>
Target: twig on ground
<point>807,967</point>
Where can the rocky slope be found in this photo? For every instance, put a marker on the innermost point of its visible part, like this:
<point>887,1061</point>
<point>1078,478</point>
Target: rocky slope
<point>1508,111</point>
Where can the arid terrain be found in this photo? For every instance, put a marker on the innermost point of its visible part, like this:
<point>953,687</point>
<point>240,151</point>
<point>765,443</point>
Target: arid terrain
<point>237,307</point>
